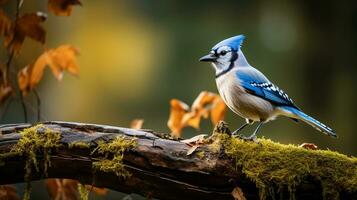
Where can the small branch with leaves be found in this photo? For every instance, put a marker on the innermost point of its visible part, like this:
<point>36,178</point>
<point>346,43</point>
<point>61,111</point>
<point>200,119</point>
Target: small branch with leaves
<point>29,25</point>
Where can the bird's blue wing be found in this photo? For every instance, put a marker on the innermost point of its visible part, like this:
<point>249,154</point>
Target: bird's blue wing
<point>257,84</point>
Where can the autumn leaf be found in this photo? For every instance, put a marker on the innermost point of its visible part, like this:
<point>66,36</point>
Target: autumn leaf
<point>5,88</point>
<point>5,92</point>
<point>137,123</point>
<point>205,105</point>
<point>28,25</point>
<point>63,58</point>
<point>178,110</point>
<point>8,192</point>
<point>97,190</point>
<point>218,110</point>
<point>309,146</point>
<point>62,7</point>
<point>67,189</point>
<point>5,24</point>
<point>59,60</point>
<point>237,194</point>
<point>62,189</point>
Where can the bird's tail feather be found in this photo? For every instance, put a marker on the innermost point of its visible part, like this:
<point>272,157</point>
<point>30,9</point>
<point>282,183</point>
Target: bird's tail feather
<point>309,120</point>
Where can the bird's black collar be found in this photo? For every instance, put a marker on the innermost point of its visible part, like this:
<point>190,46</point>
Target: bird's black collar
<point>231,65</point>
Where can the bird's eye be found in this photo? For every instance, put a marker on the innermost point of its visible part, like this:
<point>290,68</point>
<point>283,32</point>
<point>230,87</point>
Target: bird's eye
<point>223,53</point>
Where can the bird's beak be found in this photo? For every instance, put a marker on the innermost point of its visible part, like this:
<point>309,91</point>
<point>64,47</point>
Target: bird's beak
<point>208,58</point>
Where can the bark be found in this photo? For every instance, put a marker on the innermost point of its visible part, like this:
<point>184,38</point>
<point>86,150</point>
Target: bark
<point>160,167</point>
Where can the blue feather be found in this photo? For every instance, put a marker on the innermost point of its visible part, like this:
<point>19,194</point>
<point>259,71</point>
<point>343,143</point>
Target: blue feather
<point>257,84</point>
<point>309,120</point>
<point>234,42</point>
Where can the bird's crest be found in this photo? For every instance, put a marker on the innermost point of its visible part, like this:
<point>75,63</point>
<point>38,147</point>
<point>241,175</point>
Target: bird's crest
<point>234,42</point>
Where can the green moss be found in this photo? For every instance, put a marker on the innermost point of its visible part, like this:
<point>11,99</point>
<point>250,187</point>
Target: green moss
<point>80,145</point>
<point>113,153</point>
<point>83,192</point>
<point>200,154</point>
<point>33,141</point>
<point>269,163</point>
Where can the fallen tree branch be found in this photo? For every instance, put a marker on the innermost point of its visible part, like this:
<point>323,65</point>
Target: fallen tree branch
<point>159,167</point>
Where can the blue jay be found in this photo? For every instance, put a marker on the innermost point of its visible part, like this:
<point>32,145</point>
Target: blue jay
<point>248,93</point>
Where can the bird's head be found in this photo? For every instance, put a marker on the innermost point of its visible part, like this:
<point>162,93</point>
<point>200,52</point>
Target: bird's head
<point>224,54</point>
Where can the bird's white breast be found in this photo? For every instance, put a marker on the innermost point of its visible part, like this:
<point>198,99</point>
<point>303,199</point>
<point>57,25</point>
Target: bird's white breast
<point>239,101</point>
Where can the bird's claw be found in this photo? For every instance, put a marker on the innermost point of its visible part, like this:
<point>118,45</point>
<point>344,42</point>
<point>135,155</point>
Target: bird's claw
<point>252,138</point>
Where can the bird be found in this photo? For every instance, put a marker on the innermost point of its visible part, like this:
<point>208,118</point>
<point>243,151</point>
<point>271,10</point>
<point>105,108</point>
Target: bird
<point>249,93</point>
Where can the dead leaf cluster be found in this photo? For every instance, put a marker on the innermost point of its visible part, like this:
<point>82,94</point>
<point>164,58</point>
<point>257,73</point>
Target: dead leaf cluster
<point>58,60</point>
<point>206,105</point>
<point>29,25</point>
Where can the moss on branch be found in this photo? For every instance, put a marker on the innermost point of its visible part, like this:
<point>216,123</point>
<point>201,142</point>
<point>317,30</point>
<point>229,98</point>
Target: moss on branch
<point>113,153</point>
<point>273,166</point>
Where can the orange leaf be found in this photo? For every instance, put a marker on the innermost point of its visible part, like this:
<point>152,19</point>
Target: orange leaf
<point>23,79</point>
<point>58,59</point>
<point>205,104</point>
<point>237,194</point>
<point>178,110</point>
<point>67,189</point>
<point>62,7</point>
<point>218,110</point>
<point>97,190</point>
<point>5,24</point>
<point>137,123</point>
<point>192,119</point>
<point>8,192</point>
<point>28,25</point>
<point>5,92</point>
<point>63,58</point>
<point>62,189</point>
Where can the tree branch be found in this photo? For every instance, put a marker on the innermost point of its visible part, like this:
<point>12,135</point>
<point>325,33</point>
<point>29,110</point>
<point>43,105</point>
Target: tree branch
<point>159,167</point>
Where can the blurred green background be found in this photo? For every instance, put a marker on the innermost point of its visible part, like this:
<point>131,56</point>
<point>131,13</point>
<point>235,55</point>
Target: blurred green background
<point>138,54</point>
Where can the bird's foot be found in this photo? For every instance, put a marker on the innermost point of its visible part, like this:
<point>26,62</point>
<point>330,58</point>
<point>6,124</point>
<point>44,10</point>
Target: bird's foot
<point>252,138</point>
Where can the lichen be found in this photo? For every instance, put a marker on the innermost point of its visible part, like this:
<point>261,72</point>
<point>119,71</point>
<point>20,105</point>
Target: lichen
<point>35,140</point>
<point>78,144</point>
<point>269,163</point>
<point>83,192</point>
<point>113,153</point>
